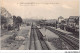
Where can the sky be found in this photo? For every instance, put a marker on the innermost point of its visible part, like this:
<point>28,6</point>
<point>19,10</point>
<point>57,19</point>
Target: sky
<point>41,10</point>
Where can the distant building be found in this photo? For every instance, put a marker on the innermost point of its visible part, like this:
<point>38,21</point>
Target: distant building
<point>73,20</point>
<point>60,19</point>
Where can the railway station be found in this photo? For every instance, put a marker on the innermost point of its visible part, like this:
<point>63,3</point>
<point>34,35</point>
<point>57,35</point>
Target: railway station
<point>40,35</point>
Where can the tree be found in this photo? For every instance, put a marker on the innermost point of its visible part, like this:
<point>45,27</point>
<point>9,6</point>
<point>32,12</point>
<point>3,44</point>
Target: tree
<point>56,24</point>
<point>14,22</point>
<point>3,21</point>
<point>14,18</point>
<point>18,21</point>
<point>77,21</point>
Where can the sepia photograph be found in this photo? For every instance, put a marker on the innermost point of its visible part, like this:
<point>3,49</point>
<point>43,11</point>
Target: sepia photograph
<point>39,25</point>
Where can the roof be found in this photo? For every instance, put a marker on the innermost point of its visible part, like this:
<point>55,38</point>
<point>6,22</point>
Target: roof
<point>73,17</point>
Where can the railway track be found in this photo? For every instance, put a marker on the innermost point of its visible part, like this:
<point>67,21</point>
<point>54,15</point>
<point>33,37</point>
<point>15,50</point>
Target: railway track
<point>43,43</point>
<point>32,40</point>
<point>36,40</point>
<point>74,43</point>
